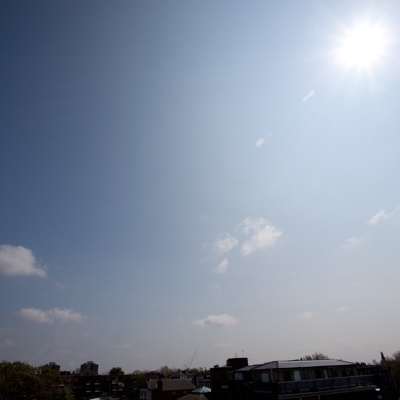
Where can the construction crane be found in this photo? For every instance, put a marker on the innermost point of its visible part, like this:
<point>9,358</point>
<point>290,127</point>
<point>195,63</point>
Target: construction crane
<point>189,363</point>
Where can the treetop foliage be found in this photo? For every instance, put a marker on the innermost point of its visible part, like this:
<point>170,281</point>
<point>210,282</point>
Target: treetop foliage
<point>19,380</point>
<point>116,371</point>
<point>316,356</point>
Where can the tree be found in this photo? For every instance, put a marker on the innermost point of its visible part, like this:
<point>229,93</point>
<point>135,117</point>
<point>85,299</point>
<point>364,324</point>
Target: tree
<point>396,356</point>
<point>141,377</point>
<point>166,372</point>
<point>196,371</point>
<point>19,380</point>
<point>316,356</point>
<point>51,384</point>
<point>393,363</point>
<point>137,380</point>
<point>116,371</point>
<point>63,394</point>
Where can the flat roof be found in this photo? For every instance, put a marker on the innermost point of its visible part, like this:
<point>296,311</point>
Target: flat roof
<point>303,364</point>
<point>247,368</point>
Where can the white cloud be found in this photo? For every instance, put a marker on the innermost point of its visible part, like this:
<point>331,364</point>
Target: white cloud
<point>260,142</point>
<point>59,285</point>
<point>308,96</point>
<point>342,309</point>
<point>219,321</point>
<point>262,234</point>
<point>222,266</point>
<point>50,316</point>
<point>6,343</point>
<point>306,315</point>
<point>18,260</point>
<point>215,288</point>
<point>379,216</point>
<point>225,242</point>
<point>382,214</point>
<point>354,241</point>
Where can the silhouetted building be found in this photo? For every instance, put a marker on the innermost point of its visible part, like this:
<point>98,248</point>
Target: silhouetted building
<point>295,379</point>
<point>89,367</point>
<point>95,386</point>
<point>382,378</point>
<point>237,362</point>
<point>166,389</point>
<point>201,393</point>
<point>52,365</point>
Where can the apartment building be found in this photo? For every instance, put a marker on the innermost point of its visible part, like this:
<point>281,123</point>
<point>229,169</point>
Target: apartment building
<point>291,379</point>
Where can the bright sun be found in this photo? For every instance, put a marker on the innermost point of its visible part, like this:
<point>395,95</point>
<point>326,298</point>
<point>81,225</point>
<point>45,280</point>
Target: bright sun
<point>362,46</point>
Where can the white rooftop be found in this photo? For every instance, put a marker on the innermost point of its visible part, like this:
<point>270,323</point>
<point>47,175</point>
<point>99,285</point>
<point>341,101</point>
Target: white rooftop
<point>303,364</point>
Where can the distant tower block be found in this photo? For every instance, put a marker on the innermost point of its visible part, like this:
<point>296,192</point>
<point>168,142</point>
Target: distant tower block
<point>90,368</point>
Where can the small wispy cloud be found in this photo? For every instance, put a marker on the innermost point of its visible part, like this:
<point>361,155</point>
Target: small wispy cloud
<point>354,241</point>
<point>222,266</point>
<point>225,242</point>
<point>306,315</point>
<point>18,260</point>
<point>342,309</point>
<point>260,142</point>
<point>50,316</point>
<point>59,285</point>
<point>215,288</point>
<point>262,234</point>
<point>379,216</point>
<point>219,321</point>
<point>308,96</point>
<point>6,343</point>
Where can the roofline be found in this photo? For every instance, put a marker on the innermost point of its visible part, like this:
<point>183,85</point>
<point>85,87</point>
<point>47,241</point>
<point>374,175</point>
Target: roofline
<point>278,364</point>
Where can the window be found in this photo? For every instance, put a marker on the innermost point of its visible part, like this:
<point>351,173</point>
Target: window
<point>319,374</point>
<point>332,373</point>
<point>304,374</point>
<point>238,376</point>
<point>265,377</point>
<point>346,371</point>
<point>287,376</point>
<point>257,377</point>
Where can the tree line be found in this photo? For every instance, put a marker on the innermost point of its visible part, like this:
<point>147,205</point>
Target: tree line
<point>19,380</point>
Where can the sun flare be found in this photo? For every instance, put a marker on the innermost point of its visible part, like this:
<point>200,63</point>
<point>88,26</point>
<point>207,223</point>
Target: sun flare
<point>363,46</point>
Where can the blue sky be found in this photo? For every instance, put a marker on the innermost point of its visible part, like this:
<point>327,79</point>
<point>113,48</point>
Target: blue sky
<point>218,177</point>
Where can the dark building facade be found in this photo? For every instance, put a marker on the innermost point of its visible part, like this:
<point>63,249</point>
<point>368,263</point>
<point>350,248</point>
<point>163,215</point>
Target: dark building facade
<point>54,366</point>
<point>166,389</point>
<point>294,379</point>
<point>95,386</point>
<point>89,367</point>
<point>382,379</point>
